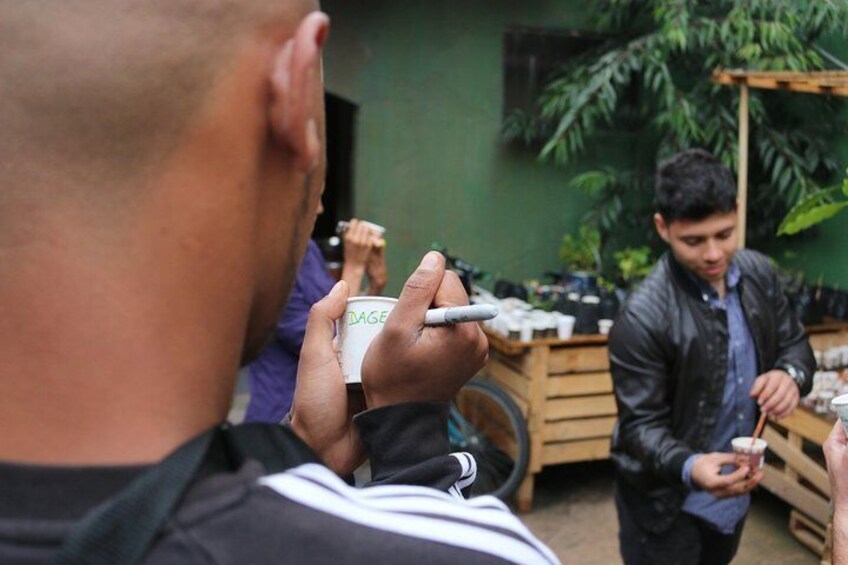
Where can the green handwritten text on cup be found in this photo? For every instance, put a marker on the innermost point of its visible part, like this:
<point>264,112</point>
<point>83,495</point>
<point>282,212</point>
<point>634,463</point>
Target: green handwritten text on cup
<point>367,317</point>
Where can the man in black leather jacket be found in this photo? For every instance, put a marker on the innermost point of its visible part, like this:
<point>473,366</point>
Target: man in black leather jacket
<point>702,347</point>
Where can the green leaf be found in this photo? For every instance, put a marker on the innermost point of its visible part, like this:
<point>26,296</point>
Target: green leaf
<point>813,210</point>
<point>810,218</point>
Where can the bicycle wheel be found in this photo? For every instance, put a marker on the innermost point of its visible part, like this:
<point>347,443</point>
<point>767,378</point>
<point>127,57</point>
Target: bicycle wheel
<point>485,422</point>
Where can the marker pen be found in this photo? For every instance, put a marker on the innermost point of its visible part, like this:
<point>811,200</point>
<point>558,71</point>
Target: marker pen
<point>460,314</point>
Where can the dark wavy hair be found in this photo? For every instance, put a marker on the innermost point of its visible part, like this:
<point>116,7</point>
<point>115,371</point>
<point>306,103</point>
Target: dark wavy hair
<point>693,185</point>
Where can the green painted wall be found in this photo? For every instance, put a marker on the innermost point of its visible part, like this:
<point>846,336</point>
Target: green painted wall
<point>427,76</point>
<point>429,165</point>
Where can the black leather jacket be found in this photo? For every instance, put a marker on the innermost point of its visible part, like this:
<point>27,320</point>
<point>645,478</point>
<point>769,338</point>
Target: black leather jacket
<point>668,356</point>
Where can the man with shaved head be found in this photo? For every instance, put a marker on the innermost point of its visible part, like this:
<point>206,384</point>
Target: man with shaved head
<point>161,164</point>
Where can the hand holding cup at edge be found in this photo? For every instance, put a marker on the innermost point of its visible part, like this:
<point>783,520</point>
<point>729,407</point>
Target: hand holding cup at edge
<point>323,407</point>
<point>835,449</point>
<point>411,362</point>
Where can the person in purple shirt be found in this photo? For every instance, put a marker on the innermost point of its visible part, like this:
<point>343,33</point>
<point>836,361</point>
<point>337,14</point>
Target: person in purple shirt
<point>273,375</point>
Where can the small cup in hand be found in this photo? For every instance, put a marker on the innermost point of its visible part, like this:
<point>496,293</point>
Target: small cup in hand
<point>752,455</point>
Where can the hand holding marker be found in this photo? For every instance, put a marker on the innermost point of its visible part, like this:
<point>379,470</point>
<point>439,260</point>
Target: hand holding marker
<point>460,314</point>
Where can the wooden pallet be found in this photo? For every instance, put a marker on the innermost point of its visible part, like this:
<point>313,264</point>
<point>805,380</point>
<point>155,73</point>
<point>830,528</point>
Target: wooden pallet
<point>564,390</point>
<point>807,531</point>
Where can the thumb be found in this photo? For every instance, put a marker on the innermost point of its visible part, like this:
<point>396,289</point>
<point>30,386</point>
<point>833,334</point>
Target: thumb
<point>724,458</point>
<point>420,289</point>
<point>739,474</point>
<point>318,338</point>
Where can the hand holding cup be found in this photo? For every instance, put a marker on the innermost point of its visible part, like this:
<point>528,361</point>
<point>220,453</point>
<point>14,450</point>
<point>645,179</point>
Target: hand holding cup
<point>411,362</point>
<point>323,407</point>
<point>707,474</point>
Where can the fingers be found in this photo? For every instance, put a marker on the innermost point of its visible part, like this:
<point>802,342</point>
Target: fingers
<point>318,338</point>
<point>742,487</point>
<point>740,474</point>
<point>359,233</point>
<point>720,459</point>
<point>788,402</point>
<point>377,258</point>
<point>771,385</point>
<point>747,484</point>
<point>450,292</point>
<point>778,393</point>
<point>836,440</point>
<point>356,234</point>
<point>757,388</point>
<point>419,290</point>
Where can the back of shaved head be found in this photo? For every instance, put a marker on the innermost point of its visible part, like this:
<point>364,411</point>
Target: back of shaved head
<point>91,89</point>
<point>161,164</point>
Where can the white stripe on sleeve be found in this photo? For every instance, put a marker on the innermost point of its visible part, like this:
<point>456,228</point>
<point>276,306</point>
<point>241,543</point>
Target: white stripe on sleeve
<point>482,524</point>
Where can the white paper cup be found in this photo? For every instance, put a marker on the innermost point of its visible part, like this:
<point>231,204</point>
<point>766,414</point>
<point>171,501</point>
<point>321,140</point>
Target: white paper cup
<point>753,455</point>
<point>604,326</point>
<point>832,358</point>
<point>526,330</point>
<point>823,400</point>
<point>840,406</point>
<point>363,319</point>
<point>565,326</point>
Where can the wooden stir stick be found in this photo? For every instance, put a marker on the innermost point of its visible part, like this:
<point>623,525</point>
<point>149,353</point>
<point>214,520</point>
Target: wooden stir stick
<point>759,430</point>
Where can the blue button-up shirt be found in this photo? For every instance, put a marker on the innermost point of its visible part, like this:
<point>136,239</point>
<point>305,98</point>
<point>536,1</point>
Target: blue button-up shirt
<point>737,415</point>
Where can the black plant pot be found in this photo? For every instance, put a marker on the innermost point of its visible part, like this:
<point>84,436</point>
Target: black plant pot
<point>826,296</point>
<point>839,305</point>
<point>568,304</point>
<point>835,303</point>
<point>587,315</point>
<point>609,305</point>
<point>581,282</point>
<point>808,308</point>
<point>507,289</point>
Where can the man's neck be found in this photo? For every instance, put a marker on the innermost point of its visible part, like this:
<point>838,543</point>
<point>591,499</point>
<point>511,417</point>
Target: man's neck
<point>108,364</point>
<point>720,286</point>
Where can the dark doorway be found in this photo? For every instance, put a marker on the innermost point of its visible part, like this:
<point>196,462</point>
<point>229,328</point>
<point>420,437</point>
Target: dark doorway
<point>338,192</point>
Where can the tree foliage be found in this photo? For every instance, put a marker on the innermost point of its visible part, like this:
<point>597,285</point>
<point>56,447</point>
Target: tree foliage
<point>666,50</point>
<point>582,251</point>
<point>814,209</point>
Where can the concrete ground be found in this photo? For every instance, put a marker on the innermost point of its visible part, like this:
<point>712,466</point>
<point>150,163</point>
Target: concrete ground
<point>574,513</point>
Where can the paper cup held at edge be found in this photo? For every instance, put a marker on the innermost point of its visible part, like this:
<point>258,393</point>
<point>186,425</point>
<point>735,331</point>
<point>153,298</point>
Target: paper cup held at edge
<point>363,319</point>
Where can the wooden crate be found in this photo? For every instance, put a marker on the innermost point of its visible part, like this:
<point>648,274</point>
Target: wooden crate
<point>564,390</point>
<point>830,334</point>
<point>807,531</point>
<point>793,475</point>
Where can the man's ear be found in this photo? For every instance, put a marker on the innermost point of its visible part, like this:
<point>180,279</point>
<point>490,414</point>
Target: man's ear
<point>662,227</point>
<point>297,89</point>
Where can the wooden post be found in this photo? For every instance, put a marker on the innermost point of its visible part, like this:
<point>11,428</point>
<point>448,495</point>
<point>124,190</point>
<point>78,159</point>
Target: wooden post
<point>538,373</point>
<point>742,179</point>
